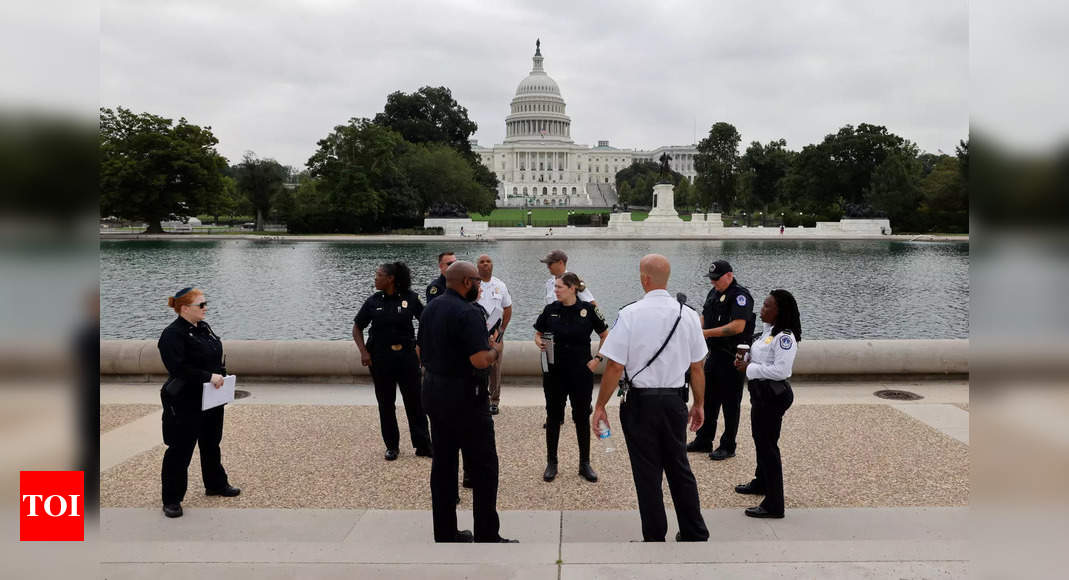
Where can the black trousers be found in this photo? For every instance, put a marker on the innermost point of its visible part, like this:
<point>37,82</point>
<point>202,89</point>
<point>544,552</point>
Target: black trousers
<point>568,380</point>
<point>461,422</point>
<point>723,389</point>
<point>182,432</point>
<point>766,419</point>
<point>390,370</point>
<point>655,430</point>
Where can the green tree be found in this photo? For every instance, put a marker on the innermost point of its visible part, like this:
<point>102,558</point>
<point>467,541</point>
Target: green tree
<point>683,194</point>
<point>624,193</point>
<point>354,166</point>
<point>260,180</point>
<point>717,165</point>
<point>437,173</point>
<point>228,203</point>
<point>762,169</point>
<point>895,190</point>
<point>945,205</point>
<point>640,178</point>
<point>151,168</point>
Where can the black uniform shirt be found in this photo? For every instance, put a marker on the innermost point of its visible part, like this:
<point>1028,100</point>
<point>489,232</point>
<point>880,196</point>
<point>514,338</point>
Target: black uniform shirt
<point>191,353</point>
<point>734,304</point>
<point>450,331</point>
<point>390,317</point>
<point>436,288</point>
<point>571,327</point>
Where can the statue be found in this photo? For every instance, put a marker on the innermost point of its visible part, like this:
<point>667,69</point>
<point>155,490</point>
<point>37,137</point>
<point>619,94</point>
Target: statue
<point>666,172</point>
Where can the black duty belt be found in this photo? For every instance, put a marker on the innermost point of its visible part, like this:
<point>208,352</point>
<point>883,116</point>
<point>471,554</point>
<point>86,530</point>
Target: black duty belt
<point>645,392</point>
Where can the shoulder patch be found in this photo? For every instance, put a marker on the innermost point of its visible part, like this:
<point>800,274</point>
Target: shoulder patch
<point>741,299</point>
<point>597,311</point>
<point>786,342</point>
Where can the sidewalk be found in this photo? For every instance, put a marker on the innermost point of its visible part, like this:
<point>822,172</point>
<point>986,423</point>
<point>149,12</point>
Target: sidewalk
<point>875,489</point>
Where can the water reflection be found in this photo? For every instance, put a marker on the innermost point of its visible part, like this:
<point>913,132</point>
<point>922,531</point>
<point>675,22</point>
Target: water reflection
<point>311,290</point>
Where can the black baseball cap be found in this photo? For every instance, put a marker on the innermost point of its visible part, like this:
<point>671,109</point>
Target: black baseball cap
<point>718,269</point>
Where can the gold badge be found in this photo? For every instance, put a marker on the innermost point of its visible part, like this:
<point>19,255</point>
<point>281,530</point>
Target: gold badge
<point>768,340</point>
<point>404,304</point>
<point>434,289</point>
<point>582,313</point>
<point>723,297</point>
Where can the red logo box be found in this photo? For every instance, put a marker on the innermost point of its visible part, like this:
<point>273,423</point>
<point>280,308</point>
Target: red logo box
<point>51,506</point>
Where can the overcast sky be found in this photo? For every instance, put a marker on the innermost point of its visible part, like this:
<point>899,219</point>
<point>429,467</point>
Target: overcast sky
<point>276,79</point>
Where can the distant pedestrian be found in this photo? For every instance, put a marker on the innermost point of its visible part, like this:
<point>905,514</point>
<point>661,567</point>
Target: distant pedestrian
<point>781,229</point>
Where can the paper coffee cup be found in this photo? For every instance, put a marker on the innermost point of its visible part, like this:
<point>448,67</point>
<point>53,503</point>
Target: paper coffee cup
<point>742,350</point>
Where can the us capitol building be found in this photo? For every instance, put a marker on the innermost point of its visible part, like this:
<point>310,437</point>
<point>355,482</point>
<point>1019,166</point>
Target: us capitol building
<point>540,165</point>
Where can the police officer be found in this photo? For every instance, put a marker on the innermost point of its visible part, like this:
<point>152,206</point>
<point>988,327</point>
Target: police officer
<point>654,341</point>
<point>495,299</point>
<point>391,356</point>
<point>557,263</point>
<point>453,340</point>
<point>193,355</point>
<point>768,366</point>
<point>437,287</point>
<point>727,320</point>
<point>572,373</point>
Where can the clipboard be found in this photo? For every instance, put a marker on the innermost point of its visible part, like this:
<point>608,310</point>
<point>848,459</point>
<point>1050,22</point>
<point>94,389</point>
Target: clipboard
<point>212,397</point>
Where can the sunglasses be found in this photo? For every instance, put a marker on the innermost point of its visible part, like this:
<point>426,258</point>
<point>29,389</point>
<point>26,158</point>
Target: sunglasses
<point>200,304</point>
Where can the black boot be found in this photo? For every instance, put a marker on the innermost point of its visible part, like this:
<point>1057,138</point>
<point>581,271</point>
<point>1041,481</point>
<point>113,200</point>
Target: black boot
<point>582,435</point>
<point>552,438</point>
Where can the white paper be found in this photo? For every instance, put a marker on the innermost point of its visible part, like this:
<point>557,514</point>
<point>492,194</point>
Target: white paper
<point>213,397</point>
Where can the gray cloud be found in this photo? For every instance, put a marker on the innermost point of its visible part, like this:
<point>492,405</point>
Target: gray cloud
<point>276,78</point>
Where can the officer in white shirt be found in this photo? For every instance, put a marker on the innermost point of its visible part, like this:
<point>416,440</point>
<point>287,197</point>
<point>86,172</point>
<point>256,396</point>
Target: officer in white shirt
<point>768,366</point>
<point>653,413</point>
<point>497,302</point>
<point>557,262</point>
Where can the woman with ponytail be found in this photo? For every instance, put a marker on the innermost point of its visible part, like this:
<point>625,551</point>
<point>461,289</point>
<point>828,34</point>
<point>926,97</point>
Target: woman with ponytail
<point>390,355</point>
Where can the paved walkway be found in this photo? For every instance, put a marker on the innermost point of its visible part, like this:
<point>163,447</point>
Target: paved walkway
<point>256,542</point>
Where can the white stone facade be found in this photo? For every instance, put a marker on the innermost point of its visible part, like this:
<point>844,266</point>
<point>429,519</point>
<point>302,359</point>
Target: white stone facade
<point>539,165</point>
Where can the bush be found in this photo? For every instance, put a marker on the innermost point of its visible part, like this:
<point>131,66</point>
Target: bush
<point>420,231</point>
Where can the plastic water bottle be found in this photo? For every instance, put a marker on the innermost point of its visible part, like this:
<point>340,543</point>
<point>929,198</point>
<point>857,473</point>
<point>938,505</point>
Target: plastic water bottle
<point>603,434</point>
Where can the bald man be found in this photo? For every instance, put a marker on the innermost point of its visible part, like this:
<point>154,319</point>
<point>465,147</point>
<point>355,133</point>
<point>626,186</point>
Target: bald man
<point>453,342</point>
<point>497,302</point>
<point>653,343</point>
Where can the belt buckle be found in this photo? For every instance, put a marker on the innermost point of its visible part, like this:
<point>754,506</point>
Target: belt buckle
<point>396,347</point>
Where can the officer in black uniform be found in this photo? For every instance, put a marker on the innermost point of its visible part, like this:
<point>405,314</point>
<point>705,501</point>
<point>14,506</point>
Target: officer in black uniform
<point>437,287</point>
<point>193,355</point>
<point>727,321</point>
<point>453,342</point>
<point>391,355</point>
<point>572,373</point>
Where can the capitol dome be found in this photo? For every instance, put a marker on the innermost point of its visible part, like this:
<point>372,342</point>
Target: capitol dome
<point>537,110</point>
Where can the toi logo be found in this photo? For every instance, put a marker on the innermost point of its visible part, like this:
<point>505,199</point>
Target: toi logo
<point>51,506</point>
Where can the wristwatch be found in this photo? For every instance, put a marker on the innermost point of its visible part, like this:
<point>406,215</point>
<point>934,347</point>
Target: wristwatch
<point>599,357</point>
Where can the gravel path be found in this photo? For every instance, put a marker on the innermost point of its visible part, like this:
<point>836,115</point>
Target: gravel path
<point>112,416</point>
<point>331,457</point>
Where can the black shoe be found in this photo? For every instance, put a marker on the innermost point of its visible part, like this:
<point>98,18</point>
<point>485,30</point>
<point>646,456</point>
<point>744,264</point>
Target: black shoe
<point>228,491</point>
<point>493,409</point>
<point>462,537</point>
<point>751,488</point>
<point>551,471</point>
<point>172,510</point>
<point>698,446</point>
<point>467,482</point>
<point>721,454</point>
<point>760,512</point>
<point>588,472</point>
<point>499,540</point>
<point>391,454</point>
<point>680,538</point>
<point>424,452</point>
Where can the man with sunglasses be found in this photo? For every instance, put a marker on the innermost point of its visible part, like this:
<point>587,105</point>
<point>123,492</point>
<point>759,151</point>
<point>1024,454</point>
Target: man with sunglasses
<point>453,343</point>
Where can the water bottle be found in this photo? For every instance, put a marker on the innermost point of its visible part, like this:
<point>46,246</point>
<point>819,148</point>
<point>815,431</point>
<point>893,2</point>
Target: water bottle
<point>603,434</point>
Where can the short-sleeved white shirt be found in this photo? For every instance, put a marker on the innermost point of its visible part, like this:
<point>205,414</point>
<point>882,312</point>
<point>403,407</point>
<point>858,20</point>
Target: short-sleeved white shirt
<point>495,300</point>
<point>640,330</point>
<point>551,295</point>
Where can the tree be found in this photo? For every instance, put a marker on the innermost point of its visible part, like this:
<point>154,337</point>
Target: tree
<point>438,174</point>
<point>762,169</point>
<point>895,190</point>
<point>717,165</point>
<point>640,178</point>
<point>151,168</point>
<point>354,166</point>
<point>945,205</point>
<point>260,180</point>
<point>683,194</point>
